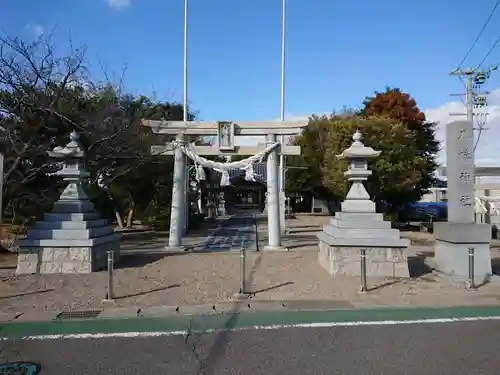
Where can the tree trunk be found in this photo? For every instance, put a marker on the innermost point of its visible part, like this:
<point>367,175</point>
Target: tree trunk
<point>130,215</point>
<point>119,220</point>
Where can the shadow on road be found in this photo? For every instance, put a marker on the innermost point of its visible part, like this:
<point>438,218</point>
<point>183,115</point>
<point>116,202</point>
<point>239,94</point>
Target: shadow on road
<point>149,291</point>
<point>272,287</point>
<point>27,294</point>
<point>305,230</point>
<point>417,264</point>
<point>495,266</point>
<point>137,260</point>
<point>385,284</point>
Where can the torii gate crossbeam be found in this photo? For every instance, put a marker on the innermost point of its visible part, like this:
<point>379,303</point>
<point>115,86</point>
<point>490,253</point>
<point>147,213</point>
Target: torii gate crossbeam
<point>226,131</point>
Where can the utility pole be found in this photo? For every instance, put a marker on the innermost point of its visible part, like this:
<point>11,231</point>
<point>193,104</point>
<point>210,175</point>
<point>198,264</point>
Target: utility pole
<point>474,99</point>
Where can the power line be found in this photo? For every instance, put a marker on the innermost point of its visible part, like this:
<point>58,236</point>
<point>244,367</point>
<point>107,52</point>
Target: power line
<point>490,50</point>
<point>477,76</point>
<point>480,34</point>
<point>474,99</point>
<point>474,78</point>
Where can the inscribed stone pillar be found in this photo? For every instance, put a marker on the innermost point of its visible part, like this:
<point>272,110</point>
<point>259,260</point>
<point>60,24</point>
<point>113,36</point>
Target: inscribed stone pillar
<point>273,210</point>
<point>455,237</point>
<point>460,172</point>
<point>178,208</point>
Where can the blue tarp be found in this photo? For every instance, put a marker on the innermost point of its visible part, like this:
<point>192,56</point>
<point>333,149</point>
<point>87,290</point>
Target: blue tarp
<point>430,208</point>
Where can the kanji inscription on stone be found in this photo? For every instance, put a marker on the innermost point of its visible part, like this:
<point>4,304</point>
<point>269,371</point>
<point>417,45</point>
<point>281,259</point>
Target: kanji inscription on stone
<point>465,177</point>
<point>460,171</point>
<point>226,135</point>
<point>466,200</point>
<point>465,153</point>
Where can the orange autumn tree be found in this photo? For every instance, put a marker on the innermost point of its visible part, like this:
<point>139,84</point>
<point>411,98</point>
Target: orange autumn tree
<point>400,106</point>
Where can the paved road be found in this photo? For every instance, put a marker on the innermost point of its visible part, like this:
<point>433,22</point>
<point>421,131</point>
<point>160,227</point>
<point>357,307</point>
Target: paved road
<point>460,348</point>
<point>235,231</point>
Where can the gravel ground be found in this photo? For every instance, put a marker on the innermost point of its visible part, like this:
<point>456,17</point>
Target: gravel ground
<point>145,280</point>
<point>206,278</point>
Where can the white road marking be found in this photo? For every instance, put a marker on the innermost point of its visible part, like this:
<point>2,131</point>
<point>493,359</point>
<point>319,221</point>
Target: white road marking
<point>79,336</point>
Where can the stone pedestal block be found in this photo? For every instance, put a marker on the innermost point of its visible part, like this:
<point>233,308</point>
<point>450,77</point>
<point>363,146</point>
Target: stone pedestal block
<point>341,241</point>
<point>72,239</point>
<point>451,251</point>
<point>47,255</point>
<point>380,261</point>
<point>72,260</point>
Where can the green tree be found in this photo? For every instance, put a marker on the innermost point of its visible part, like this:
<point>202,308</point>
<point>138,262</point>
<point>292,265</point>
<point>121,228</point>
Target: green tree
<point>35,85</point>
<point>308,178</point>
<point>400,106</point>
<point>397,173</point>
<point>43,97</point>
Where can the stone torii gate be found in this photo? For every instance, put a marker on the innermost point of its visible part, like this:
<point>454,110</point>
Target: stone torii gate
<point>226,131</point>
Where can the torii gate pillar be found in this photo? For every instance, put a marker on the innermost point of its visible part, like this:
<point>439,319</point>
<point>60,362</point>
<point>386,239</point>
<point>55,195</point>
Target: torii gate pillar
<point>273,198</point>
<point>178,209</point>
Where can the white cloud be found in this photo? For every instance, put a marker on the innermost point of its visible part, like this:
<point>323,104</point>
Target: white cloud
<point>37,30</point>
<point>487,151</point>
<point>118,4</point>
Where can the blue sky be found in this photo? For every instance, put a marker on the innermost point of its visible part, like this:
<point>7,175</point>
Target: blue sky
<point>337,52</point>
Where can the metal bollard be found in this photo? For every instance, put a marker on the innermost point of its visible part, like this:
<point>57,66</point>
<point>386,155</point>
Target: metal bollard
<point>256,233</point>
<point>110,294</point>
<point>243,269</point>
<point>471,283</point>
<point>364,288</point>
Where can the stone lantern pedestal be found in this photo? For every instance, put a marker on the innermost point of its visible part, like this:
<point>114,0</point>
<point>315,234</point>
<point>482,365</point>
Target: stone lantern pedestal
<point>358,226</point>
<point>73,238</point>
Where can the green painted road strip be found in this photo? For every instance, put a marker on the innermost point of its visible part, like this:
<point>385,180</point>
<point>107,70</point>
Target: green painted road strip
<point>247,320</point>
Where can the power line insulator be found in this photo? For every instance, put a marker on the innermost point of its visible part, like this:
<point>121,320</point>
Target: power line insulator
<point>480,78</point>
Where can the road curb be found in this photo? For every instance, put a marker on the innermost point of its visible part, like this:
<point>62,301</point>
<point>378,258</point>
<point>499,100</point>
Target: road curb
<point>239,319</point>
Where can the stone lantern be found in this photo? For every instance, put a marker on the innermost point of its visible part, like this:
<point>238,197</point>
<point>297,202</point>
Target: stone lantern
<point>358,227</point>
<point>357,199</point>
<point>73,238</point>
<point>72,171</point>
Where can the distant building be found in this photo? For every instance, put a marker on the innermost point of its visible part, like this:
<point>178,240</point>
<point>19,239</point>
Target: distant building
<point>487,185</point>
